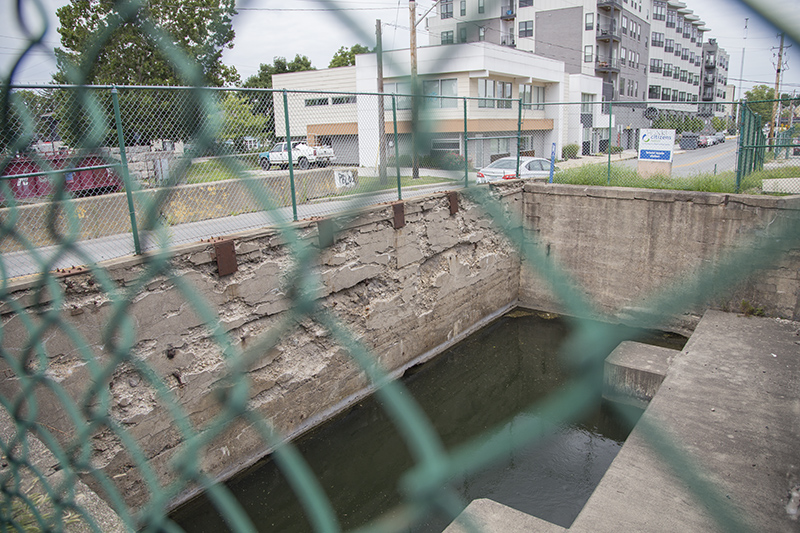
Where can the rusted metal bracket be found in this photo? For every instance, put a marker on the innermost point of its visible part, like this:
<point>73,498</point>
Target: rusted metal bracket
<point>326,232</point>
<point>399,209</point>
<point>453,196</point>
<point>225,254</point>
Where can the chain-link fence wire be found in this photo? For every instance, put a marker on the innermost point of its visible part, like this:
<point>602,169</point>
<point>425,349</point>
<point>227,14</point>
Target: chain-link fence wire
<point>90,410</point>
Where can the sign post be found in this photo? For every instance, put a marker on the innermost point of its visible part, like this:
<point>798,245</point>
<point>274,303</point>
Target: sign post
<point>655,152</point>
<point>552,162</point>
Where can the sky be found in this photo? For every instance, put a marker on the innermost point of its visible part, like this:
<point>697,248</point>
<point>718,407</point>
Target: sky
<point>266,29</point>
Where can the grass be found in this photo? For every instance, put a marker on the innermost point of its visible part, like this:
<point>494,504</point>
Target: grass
<point>216,170</point>
<point>723,182</point>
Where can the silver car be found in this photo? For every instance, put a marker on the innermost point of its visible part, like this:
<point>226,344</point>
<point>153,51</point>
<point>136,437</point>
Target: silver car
<point>506,169</point>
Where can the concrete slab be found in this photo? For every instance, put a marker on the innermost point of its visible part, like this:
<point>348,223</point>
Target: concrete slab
<point>487,516</point>
<point>634,371</point>
<point>730,404</point>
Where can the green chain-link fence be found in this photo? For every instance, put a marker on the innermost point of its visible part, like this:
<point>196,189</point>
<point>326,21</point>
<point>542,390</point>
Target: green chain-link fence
<point>147,167</point>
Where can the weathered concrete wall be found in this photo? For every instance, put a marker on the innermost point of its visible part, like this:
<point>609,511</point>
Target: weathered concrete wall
<point>402,292</point>
<point>622,245</point>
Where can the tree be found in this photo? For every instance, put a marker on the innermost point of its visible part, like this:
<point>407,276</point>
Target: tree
<point>131,55</point>
<point>344,57</point>
<point>760,100</point>
<point>261,101</point>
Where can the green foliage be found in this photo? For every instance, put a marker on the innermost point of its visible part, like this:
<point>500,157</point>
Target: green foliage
<point>760,99</point>
<point>749,309</point>
<point>570,151</point>
<point>129,56</point>
<point>238,119</point>
<point>615,149</point>
<point>345,57</point>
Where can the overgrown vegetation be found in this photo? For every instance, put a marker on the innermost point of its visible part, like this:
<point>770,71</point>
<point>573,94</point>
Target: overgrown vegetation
<point>749,309</point>
<point>724,182</point>
<point>570,151</point>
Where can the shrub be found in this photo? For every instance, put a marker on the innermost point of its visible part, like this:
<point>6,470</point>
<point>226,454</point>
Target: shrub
<point>615,149</point>
<point>570,151</point>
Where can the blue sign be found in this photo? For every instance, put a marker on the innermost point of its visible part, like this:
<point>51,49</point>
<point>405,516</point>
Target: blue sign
<point>552,162</point>
<point>655,155</point>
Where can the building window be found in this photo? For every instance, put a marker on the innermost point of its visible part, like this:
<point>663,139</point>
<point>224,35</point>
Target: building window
<point>636,90</point>
<point>525,3</point>
<point>481,6</point>
<point>446,87</point>
<point>624,24</point>
<point>655,92</point>
<point>462,34</point>
<point>316,101</point>
<point>623,55</point>
<point>672,17</point>
<point>685,54</point>
<point>447,37</point>
<point>337,100</point>
<point>669,46</point>
<point>402,102</point>
<point>666,94</point>
<point>481,33</point>
<point>588,52</point>
<point>504,91</point>
<point>678,50</point>
<point>679,25</point>
<point>684,75</point>
<point>587,101</point>
<point>656,65</point>
<point>657,39</point>
<point>525,95</point>
<point>446,9</point>
<point>589,21</point>
<point>463,8</point>
<point>659,10</point>
<point>682,96</point>
<point>538,97</point>
<point>486,91</point>
<point>667,70</point>
<point>622,86</point>
<point>526,28</point>
<point>674,96</point>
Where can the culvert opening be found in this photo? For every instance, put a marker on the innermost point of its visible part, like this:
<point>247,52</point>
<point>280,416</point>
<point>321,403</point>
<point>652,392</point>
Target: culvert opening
<point>487,380</point>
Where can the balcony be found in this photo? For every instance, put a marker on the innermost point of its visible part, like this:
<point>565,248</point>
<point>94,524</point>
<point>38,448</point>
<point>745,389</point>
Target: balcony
<point>708,79</point>
<point>708,96</point>
<point>609,4</point>
<point>607,64</point>
<point>507,39</point>
<point>507,11</point>
<point>608,33</point>
<point>710,64</point>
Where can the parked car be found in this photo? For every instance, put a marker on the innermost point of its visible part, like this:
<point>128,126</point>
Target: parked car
<point>303,156</point>
<point>703,141</point>
<point>505,168</point>
<point>719,137</point>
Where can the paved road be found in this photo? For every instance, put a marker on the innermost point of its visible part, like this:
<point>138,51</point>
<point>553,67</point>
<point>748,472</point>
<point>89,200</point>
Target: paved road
<point>718,158</point>
<point>18,264</point>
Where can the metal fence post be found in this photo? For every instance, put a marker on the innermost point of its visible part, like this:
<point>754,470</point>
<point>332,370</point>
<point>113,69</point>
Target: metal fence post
<point>289,153</point>
<point>740,147</point>
<point>396,147</point>
<point>466,154</point>
<point>610,118</point>
<point>126,178</point>
<point>519,131</point>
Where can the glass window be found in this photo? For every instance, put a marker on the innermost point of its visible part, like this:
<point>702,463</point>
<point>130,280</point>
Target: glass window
<point>666,93</point>
<point>589,21</point>
<point>462,34</point>
<point>538,98</point>
<point>526,28</point>
<point>655,92</point>
<point>586,103</point>
<point>525,95</point>
<point>624,24</point>
<point>622,87</point>
<point>463,8</point>
<point>402,102</point>
<point>446,9</point>
<point>588,51</point>
<point>525,3</point>
<point>316,101</point>
<point>504,91</point>
<point>485,90</point>
<point>446,87</point>
<point>481,33</point>
<point>481,6</point>
<point>447,37</point>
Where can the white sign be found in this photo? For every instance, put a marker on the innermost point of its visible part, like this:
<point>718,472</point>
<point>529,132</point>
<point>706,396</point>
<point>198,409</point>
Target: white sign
<point>656,145</point>
<point>344,178</point>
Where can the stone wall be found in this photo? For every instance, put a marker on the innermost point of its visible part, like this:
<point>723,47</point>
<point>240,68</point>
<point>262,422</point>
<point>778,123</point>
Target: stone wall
<point>621,246</point>
<point>404,292</point>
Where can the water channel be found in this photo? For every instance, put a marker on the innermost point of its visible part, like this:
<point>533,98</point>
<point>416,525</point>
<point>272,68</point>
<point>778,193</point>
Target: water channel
<point>482,382</point>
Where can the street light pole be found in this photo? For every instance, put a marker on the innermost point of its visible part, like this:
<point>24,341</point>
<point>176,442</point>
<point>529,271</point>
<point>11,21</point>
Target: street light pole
<point>412,7</point>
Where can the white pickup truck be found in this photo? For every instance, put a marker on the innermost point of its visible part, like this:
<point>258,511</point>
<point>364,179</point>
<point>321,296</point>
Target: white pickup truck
<point>303,156</point>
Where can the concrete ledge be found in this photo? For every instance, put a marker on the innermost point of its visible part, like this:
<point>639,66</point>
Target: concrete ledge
<point>488,516</point>
<point>634,371</point>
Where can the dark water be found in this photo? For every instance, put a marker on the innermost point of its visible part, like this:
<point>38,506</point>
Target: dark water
<point>482,382</point>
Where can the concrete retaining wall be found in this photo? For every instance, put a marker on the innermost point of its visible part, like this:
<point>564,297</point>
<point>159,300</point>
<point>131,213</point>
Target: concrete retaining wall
<point>402,292</point>
<point>623,245</point>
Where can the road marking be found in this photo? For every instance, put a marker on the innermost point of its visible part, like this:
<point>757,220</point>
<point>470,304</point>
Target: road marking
<point>706,159</point>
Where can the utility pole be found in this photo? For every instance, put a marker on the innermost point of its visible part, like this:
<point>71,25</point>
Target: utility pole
<point>777,95</point>
<point>381,118</point>
<point>412,7</point>
<point>741,70</point>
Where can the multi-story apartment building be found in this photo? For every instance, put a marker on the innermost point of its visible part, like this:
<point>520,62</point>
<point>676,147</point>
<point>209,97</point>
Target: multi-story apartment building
<point>714,80</point>
<point>644,50</point>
